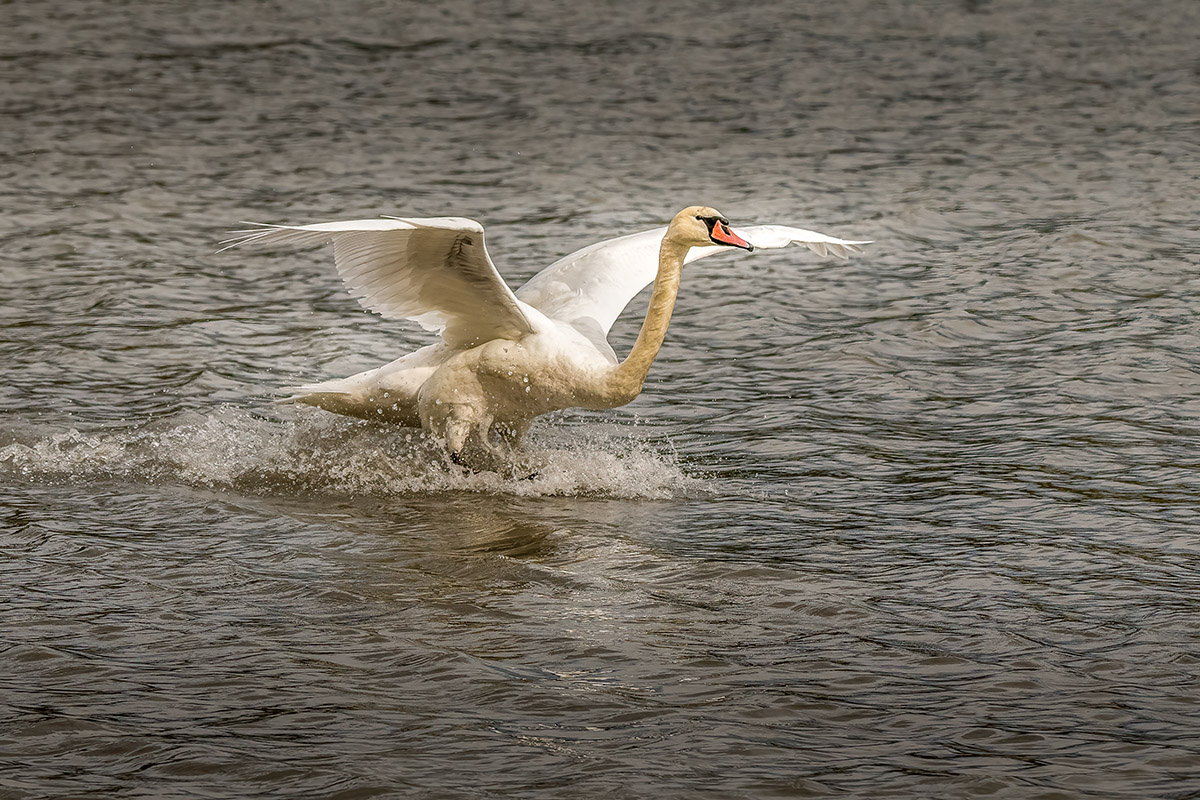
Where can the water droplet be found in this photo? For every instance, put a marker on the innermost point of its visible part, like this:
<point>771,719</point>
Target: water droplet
<point>527,390</point>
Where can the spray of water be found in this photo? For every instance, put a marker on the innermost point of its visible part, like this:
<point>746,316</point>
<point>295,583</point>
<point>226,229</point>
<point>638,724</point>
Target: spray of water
<point>320,454</point>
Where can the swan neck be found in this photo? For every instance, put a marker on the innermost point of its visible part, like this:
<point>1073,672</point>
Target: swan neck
<point>630,375</point>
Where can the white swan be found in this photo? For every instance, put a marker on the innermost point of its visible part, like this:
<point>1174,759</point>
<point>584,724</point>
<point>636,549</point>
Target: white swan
<point>505,358</point>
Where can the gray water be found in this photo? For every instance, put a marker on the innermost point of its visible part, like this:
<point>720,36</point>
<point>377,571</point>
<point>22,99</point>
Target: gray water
<point>921,524</point>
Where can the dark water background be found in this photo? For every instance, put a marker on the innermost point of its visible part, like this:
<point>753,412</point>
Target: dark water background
<point>923,524</point>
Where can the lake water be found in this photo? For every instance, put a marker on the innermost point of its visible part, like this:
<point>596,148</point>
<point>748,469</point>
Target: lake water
<point>920,524</point>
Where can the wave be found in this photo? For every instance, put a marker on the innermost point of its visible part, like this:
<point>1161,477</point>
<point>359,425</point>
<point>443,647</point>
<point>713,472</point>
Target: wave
<point>229,448</point>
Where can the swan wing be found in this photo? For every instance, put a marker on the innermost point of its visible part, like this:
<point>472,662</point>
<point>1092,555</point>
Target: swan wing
<point>435,271</point>
<point>592,286</point>
<point>770,237</point>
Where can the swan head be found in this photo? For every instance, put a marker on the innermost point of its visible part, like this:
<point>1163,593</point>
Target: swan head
<point>701,226</point>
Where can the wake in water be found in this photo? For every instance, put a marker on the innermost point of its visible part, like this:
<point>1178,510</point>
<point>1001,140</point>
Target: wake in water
<point>321,454</point>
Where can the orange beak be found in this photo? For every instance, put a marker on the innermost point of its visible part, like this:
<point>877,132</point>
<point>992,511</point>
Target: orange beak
<point>722,234</point>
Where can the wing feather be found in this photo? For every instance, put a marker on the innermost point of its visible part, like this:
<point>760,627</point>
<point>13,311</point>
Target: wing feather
<point>435,271</point>
<point>592,286</point>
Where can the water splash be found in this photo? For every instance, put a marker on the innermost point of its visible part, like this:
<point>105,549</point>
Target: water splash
<point>320,454</point>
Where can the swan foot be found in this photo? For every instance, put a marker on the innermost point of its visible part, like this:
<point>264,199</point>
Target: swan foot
<point>457,459</point>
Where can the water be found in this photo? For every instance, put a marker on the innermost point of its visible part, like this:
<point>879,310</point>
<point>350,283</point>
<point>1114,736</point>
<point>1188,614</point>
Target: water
<point>922,524</point>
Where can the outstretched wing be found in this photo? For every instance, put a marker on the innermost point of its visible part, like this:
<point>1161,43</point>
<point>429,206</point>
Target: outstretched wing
<point>590,287</point>
<point>434,271</point>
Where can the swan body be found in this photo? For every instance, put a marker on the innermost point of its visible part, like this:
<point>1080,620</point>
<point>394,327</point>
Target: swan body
<point>505,358</point>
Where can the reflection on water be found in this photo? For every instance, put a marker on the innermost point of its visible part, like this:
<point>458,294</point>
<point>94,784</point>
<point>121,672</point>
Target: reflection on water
<point>918,525</point>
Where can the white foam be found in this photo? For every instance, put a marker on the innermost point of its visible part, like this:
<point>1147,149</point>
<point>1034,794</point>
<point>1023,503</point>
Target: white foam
<point>322,454</point>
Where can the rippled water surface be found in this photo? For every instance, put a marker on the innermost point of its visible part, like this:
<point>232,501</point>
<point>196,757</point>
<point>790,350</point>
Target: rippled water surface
<point>920,524</point>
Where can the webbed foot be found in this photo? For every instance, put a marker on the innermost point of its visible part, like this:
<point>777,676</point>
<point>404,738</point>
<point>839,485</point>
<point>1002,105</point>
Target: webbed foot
<point>457,459</point>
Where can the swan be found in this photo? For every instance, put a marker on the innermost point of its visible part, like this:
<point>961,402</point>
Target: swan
<point>505,357</point>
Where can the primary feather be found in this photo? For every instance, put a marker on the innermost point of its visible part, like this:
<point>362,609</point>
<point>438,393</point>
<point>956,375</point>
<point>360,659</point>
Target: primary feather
<point>593,285</point>
<point>435,271</point>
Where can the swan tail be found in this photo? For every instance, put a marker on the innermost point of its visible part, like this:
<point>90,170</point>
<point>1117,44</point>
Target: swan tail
<point>350,404</point>
<point>345,388</point>
<point>337,402</point>
<point>350,398</point>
